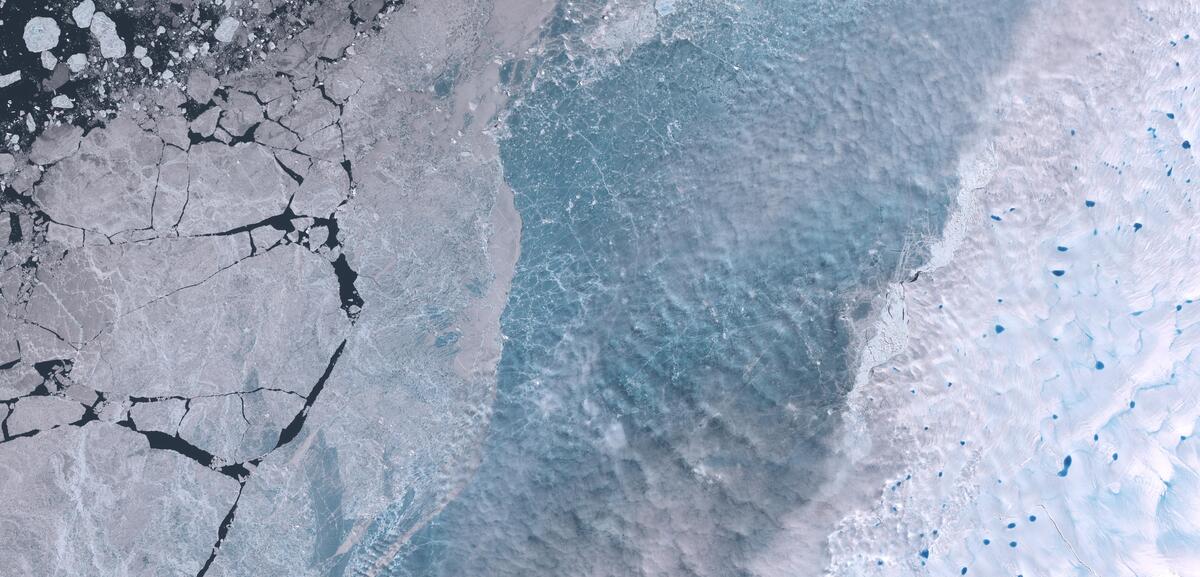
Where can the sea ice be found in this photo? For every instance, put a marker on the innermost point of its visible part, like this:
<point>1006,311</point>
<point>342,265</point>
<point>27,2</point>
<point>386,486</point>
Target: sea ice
<point>10,78</point>
<point>77,62</point>
<point>105,31</point>
<point>82,14</point>
<point>41,34</point>
<point>226,29</point>
<point>1064,444</point>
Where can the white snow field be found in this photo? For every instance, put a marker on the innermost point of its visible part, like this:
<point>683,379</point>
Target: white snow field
<point>1036,409</point>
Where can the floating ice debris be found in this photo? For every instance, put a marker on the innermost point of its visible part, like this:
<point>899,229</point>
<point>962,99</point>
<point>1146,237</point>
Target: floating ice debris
<point>7,163</point>
<point>77,62</point>
<point>105,31</point>
<point>226,29</point>
<point>41,34</point>
<point>62,101</point>
<point>9,78</point>
<point>82,14</point>
<point>139,52</point>
<point>200,86</point>
<point>49,60</point>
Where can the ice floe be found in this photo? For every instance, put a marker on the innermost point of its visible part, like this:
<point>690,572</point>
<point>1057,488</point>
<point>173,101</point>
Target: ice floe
<point>1038,414</point>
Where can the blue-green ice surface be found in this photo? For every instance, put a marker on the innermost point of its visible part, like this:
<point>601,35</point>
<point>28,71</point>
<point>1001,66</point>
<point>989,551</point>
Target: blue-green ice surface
<point>702,214</point>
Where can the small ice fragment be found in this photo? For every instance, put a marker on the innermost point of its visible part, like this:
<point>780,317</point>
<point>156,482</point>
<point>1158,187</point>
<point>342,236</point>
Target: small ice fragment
<point>49,61</point>
<point>139,51</point>
<point>146,61</point>
<point>82,14</point>
<point>9,78</point>
<point>105,31</point>
<point>226,29</point>
<point>41,34</point>
<point>77,62</point>
<point>62,101</point>
<point>7,163</point>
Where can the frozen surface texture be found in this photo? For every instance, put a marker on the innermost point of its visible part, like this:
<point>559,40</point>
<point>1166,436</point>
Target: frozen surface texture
<point>251,320</point>
<point>1039,415</point>
<point>806,287</point>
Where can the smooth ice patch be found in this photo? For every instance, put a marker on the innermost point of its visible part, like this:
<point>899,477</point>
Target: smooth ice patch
<point>105,31</point>
<point>41,34</point>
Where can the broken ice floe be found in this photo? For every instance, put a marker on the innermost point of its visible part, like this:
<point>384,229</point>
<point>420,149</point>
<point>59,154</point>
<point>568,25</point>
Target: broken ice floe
<point>105,31</point>
<point>41,34</point>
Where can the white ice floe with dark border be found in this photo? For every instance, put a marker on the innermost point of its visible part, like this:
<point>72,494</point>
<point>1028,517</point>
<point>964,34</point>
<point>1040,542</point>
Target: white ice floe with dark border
<point>41,34</point>
<point>105,31</point>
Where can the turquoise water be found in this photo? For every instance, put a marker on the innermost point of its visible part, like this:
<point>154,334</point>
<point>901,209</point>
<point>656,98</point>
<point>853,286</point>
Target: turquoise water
<point>699,219</point>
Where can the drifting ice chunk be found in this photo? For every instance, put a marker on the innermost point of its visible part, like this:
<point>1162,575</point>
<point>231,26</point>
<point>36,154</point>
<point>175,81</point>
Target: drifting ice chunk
<point>226,29</point>
<point>77,62</point>
<point>41,34</point>
<point>62,101</point>
<point>49,61</point>
<point>9,78</point>
<point>105,31</point>
<point>82,14</point>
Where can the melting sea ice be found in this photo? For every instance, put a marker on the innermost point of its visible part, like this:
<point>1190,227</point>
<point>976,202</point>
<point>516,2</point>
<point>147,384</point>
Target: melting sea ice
<point>711,194</point>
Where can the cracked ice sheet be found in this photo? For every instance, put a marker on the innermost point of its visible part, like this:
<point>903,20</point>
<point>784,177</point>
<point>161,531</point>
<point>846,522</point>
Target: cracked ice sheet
<point>426,205</point>
<point>271,320</point>
<point>96,501</point>
<point>108,186</point>
<point>401,414</point>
